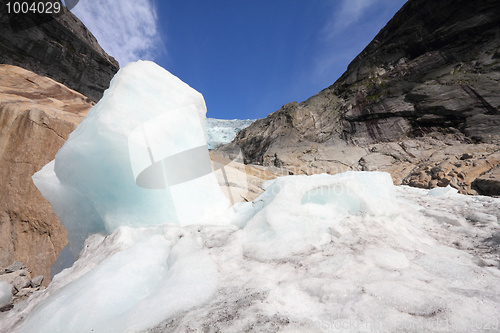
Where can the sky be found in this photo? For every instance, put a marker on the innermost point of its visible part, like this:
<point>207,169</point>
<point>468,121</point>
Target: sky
<point>247,57</point>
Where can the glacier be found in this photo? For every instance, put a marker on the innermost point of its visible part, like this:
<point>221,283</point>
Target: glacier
<point>222,131</point>
<point>349,252</point>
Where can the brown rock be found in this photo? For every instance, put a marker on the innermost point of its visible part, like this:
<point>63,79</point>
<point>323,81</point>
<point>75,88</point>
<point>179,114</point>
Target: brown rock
<point>36,116</point>
<point>443,182</point>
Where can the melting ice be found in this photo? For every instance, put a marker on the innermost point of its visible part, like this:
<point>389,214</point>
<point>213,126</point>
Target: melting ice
<point>349,252</point>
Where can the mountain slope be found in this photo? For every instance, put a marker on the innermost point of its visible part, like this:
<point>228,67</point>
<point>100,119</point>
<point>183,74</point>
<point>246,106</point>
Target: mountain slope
<point>432,73</point>
<point>57,46</point>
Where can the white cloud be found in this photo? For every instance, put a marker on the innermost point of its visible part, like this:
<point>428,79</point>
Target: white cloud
<point>125,29</point>
<point>346,14</point>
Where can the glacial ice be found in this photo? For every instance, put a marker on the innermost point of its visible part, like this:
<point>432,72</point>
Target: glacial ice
<point>139,158</point>
<point>222,131</point>
<point>323,253</point>
<point>349,252</point>
<point>127,282</point>
<point>5,292</point>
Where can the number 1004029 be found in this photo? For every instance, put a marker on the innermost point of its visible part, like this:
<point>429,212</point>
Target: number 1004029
<point>39,7</point>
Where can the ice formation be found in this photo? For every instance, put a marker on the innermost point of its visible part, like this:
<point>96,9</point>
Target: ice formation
<point>343,253</point>
<point>5,292</point>
<point>222,131</point>
<point>139,158</point>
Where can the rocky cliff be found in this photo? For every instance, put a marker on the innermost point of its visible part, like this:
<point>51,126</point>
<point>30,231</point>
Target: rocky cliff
<point>36,116</point>
<point>59,47</point>
<point>423,95</point>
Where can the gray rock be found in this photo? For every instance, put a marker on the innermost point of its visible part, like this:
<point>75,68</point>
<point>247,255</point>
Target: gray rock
<point>36,281</point>
<point>25,292</point>
<point>21,282</point>
<point>11,277</point>
<point>15,266</point>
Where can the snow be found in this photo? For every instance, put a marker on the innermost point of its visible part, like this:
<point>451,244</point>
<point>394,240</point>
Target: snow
<point>348,252</point>
<point>5,292</point>
<point>139,158</point>
<point>326,253</point>
<point>138,277</point>
<point>222,131</point>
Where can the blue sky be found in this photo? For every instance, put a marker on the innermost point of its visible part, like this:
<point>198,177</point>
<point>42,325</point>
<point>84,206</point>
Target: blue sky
<point>247,58</point>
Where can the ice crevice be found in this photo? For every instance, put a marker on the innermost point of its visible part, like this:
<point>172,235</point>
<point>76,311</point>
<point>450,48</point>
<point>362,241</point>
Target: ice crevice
<point>322,253</point>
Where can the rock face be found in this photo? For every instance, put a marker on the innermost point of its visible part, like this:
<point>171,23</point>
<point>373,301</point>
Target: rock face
<point>430,78</point>
<point>59,47</point>
<point>36,116</point>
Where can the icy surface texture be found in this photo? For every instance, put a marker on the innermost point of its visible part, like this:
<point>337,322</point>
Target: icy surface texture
<point>222,131</point>
<point>5,292</point>
<point>139,158</point>
<point>127,282</point>
<point>343,253</point>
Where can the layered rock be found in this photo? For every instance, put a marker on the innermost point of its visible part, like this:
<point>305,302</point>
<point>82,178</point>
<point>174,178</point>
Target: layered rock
<point>58,46</point>
<point>432,72</point>
<point>23,285</point>
<point>36,116</point>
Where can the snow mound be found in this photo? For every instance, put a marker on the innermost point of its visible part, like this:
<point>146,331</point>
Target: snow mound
<point>315,207</point>
<point>222,131</point>
<point>139,158</point>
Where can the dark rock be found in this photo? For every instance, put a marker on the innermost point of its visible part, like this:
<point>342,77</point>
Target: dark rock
<point>437,173</point>
<point>60,48</point>
<point>430,69</point>
<point>6,307</point>
<point>488,184</point>
<point>443,182</point>
<point>465,157</point>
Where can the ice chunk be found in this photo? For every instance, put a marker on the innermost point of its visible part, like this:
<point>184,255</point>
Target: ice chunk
<point>142,276</point>
<point>5,292</point>
<point>139,158</point>
<point>443,191</point>
<point>315,205</point>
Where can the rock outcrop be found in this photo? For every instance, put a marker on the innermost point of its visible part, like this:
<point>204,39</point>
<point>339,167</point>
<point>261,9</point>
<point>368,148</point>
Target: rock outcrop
<point>430,79</point>
<point>23,285</point>
<point>36,116</point>
<point>59,47</point>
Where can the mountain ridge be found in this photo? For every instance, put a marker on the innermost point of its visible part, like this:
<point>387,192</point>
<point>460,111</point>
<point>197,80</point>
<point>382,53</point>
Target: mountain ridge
<point>59,47</point>
<point>432,72</point>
